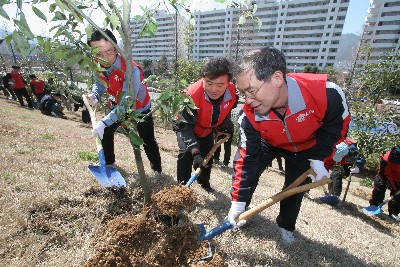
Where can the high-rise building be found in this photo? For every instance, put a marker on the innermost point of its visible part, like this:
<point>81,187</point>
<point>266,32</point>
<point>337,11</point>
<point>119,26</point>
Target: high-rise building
<point>164,42</point>
<point>382,28</point>
<point>306,31</point>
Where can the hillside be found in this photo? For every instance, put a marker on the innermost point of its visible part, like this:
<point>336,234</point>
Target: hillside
<point>54,213</point>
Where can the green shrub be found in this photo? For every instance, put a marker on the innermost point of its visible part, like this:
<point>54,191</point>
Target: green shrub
<point>88,156</point>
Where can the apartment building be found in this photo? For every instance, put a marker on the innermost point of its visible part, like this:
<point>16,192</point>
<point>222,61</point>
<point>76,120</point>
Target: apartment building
<point>382,28</point>
<point>164,42</point>
<point>307,32</point>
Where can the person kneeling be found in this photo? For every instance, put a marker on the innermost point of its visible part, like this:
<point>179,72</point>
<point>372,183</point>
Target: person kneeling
<point>50,105</point>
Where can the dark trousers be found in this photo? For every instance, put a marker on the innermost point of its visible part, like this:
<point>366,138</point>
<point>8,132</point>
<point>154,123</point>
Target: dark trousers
<point>295,165</point>
<point>378,195</point>
<point>185,160</point>
<point>337,174</point>
<point>227,149</point>
<point>146,132</point>
<point>22,92</point>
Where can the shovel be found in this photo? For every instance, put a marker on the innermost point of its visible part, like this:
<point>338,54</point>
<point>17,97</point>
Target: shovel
<point>375,210</point>
<point>107,176</point>
<point>329,199</point>
<point>207,158</point>
<point>292,189</point>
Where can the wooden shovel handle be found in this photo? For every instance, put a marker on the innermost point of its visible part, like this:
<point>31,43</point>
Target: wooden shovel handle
<point>92,114</point>
<point>290,190</point>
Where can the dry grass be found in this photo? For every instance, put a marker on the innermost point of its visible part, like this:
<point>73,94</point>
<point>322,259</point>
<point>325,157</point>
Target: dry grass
<point>52,211</point>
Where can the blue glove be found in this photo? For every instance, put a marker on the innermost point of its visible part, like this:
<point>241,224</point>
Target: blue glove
<point>341,150</point>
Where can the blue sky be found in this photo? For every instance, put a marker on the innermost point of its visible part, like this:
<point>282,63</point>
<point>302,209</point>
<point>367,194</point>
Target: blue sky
<point>354,20</point>
<point>356,13</point>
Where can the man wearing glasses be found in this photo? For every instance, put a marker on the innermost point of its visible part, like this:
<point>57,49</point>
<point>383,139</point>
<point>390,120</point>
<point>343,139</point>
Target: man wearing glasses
<point>116,83</point>
<point>297,116</point>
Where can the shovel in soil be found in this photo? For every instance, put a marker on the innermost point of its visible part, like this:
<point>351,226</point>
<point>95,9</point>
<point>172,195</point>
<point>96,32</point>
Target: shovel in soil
<point>375,210</point>
<point>329,199</point>
<point>292,189</point>
<point>107,176</point>
<point>207,158</point>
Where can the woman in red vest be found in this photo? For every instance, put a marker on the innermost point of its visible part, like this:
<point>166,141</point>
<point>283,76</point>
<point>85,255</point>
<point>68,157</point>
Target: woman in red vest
<point>298,116</point>
<point>214,96</point>
<point>18,84</point>
<point>116,83</point>
<point>388,177</point>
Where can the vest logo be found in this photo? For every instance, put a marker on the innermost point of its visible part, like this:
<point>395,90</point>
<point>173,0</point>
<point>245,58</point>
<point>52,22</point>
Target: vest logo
<point>226,105</point>
<point>116,78</point>
<point>302,117</point>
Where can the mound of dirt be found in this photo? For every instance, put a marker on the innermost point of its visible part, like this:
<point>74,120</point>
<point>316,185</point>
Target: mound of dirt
<point>147,240</point>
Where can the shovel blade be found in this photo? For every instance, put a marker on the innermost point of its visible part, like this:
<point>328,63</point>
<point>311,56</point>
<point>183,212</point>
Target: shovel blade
<point>330,200</point>
<point>372,210</point>
<point>108,176</point>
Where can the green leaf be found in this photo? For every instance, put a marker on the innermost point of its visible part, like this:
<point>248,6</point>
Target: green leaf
<point>135,139</point>
<point>220,1</point>
<point>72,60</point>
<point>114,20</point>
<point>89,31</point>
<point>242,20</point>
<point>23,26</point>
<point>39,13</point>
<point>21,43</point>
<point>19,4</point>
<point>3,13</point>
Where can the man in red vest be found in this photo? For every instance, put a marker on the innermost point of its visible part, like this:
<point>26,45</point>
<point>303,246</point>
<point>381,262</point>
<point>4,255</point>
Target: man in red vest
<point>214,96</point>
<point>297,116</point>
<point>18,84</point>
<point>115,80</point>
<point>388,177</point>
<point>38,86</point>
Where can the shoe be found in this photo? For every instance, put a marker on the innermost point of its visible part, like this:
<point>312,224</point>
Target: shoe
<point>207,188</point>
<point>394,217</point>
<point>287,236</point>
<point>158,173</point>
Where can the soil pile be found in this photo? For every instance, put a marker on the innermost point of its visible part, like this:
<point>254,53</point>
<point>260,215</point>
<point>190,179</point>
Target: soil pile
<point>154,237</point>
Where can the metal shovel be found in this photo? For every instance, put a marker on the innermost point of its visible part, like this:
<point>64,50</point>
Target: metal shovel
<point>329,199</point>
<point>375,210</point>
<point>292,189</point>
<point>207,158</point>
<point>107,176</point>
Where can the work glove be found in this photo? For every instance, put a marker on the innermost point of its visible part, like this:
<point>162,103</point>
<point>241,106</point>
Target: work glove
<point>197,160</point>
<point>236,209</point>
<point>355,170</point>
<point>341,150</point>
<point>99,129</point>
<point>92,99</point>
<point>319,168</point>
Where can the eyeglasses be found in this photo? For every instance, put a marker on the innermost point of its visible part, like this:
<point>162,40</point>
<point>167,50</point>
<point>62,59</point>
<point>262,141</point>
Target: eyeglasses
<point>251,93</point>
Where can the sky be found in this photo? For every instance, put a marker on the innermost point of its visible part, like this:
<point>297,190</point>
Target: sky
<point>357,11</point>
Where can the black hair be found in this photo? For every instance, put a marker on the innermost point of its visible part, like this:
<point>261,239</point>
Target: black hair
<point>57,94</point>
<point>217,66</point>
<point>32,76</point>
<point>265,62</point>
<point>15,67</point>
<point>97,36</point>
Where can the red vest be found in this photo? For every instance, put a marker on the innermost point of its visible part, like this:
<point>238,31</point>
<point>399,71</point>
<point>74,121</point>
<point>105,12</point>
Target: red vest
<point>38,85</point>
<point>203,126</point>
<point>392,170</point>
<point>300,131</point>
<point>116,80</point>
<point>18,80</point>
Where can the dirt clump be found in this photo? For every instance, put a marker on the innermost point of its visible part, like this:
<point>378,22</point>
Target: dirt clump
<point>145,240</point>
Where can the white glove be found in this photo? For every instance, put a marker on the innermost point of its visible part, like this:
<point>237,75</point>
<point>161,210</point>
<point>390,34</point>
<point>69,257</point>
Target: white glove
<point>236,209</point>
<point>92,99</point>
<point>355,170</point>
<point>99,129</point>
<point>319,168</point>
<point>342,149</point>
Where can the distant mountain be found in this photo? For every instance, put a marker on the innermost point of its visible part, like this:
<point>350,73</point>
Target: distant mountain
<point>347,51</point>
